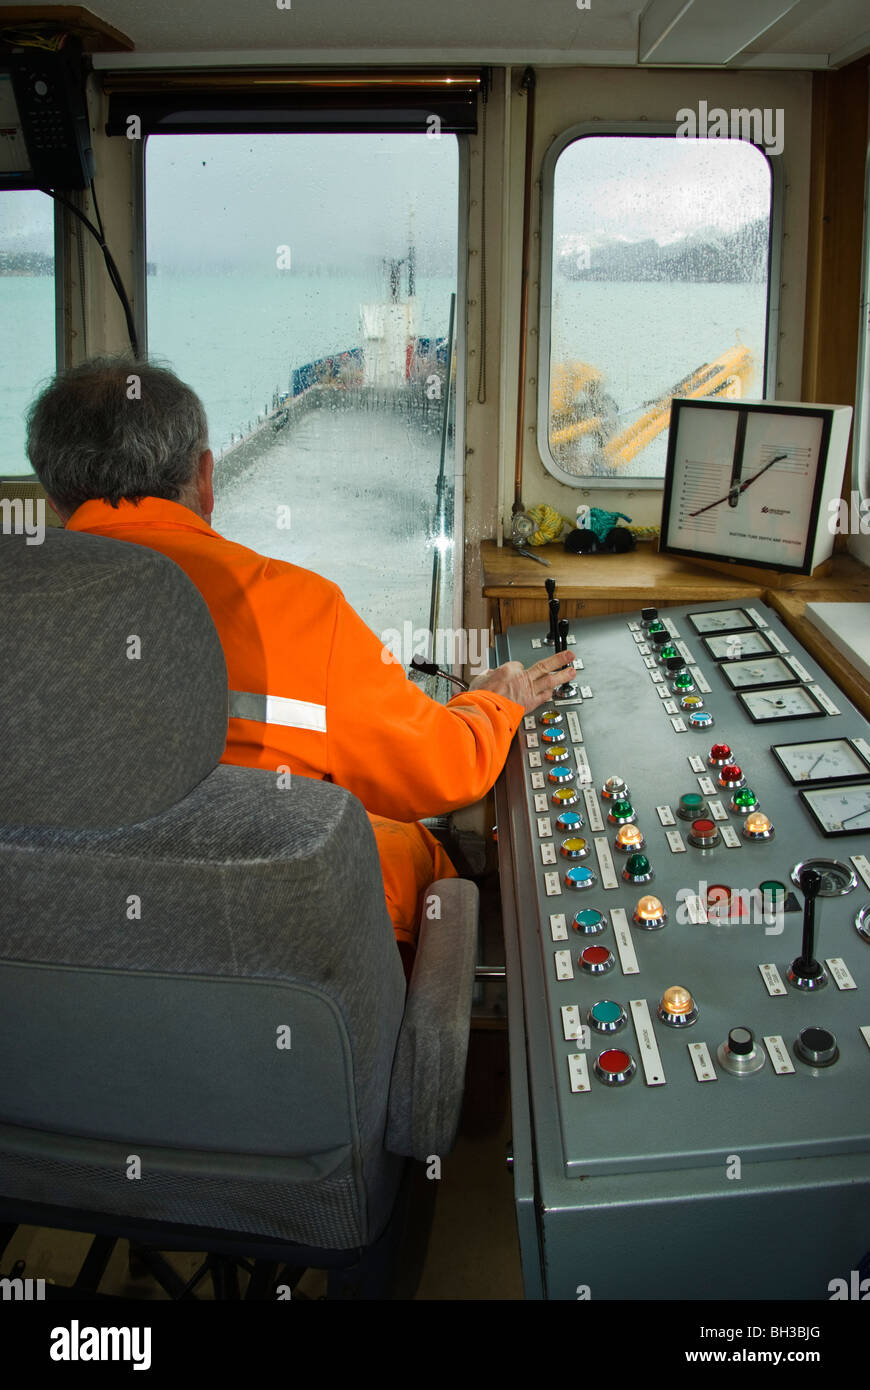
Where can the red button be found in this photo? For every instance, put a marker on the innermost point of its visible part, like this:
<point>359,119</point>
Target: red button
<point>719,752</point>
<point>731,773</point>
<point>614,1060</point>
<point>595,955</point>
<point>702,827</point>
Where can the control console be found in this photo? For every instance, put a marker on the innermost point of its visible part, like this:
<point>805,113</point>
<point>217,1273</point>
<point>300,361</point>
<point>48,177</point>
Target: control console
<point>684,835</point>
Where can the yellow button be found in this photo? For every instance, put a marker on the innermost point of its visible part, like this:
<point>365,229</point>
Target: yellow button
<point>648,909</point>
<point>757,823</point>
<point>629,837</point>
<point>677,1000</point>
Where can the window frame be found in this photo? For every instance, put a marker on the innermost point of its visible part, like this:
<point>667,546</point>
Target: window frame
<point>463,202</point>
<point>582,130</point>
<point>860,471</point>
<point>60,354</point>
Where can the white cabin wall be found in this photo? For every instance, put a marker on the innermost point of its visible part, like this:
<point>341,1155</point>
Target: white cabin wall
<point>95,323</point>
<point>564,97</point>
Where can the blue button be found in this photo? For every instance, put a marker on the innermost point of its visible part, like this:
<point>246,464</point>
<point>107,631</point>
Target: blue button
<point>579,878</point>
<point>569,820</point>
<point>561,774</point>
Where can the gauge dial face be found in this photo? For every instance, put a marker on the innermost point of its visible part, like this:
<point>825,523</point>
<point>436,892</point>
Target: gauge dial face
<point>837,878</point>
<point>840,810</point>
<point>723,620</point>
<point>823,760</point>
<point>737,646</point>
<point>754,674</point>
<point>780,702</point>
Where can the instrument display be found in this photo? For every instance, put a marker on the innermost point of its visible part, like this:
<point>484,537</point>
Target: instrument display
<point>754,675</point>
<point>823,760</point>
<point>840,810</point>
<point>783,702</point>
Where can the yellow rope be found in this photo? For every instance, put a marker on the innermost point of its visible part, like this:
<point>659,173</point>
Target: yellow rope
<point>550,524</point>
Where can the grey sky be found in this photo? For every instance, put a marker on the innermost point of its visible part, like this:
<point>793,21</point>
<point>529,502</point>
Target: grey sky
<point>336,201</point>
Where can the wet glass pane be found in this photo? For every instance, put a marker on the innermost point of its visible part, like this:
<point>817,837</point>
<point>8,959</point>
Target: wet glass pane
<point>27,321</point>
<point>660,286</point>
<point>301,285</point>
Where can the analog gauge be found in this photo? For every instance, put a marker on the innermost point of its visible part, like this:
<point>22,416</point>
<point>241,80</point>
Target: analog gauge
<point>737,646</point>
<point>840,810</point>
<point>838,878</point>
<point>823,760</point>
<point>754,675</point>
<point>782,702</point>
<point>724,620</point>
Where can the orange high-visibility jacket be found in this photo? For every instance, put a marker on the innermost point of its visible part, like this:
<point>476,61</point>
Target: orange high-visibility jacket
<point>311,686</point>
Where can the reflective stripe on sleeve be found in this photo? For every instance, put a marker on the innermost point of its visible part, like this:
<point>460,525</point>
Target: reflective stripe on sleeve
<point>274,709</point>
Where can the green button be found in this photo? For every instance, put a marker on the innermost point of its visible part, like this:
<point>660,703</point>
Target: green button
<point>772,888</point>
<point>589,917</point>
<point>691,800</point>
<point>637,865</point>
<point>745,797</point>
<point>682,681</point>
<point>656,627</point>
<point>606,1011</point>
<point>621,809</point>
<point>667,652</point>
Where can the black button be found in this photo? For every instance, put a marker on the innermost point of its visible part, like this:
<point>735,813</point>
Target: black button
<point>817,1047</point>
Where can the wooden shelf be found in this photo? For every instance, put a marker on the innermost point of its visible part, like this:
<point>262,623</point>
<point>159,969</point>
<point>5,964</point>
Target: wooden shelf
<point>96,35</point>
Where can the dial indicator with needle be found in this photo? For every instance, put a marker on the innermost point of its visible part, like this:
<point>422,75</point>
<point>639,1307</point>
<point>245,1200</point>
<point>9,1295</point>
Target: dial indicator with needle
<point>749,482</point>
<point>822,760</point>
<point>840,810</point>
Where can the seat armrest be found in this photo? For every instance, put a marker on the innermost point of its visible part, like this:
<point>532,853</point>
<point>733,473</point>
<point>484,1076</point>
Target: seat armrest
<point>428,1078</point>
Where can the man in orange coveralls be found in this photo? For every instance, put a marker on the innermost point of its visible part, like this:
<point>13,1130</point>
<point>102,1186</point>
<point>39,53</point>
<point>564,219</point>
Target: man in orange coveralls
<point>121,449</point>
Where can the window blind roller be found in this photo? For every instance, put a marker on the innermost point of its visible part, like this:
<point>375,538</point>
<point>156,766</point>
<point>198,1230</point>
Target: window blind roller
<point>344,102</point>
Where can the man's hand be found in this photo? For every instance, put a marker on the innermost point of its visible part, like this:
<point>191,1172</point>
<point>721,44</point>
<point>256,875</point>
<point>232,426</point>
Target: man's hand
<point>529,688</point>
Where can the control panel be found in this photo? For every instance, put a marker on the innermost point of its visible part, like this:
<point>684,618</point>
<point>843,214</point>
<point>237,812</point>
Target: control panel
<point>688,841</point>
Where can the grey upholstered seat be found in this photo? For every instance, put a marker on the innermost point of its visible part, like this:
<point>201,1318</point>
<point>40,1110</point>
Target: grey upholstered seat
<point>203,1016</point>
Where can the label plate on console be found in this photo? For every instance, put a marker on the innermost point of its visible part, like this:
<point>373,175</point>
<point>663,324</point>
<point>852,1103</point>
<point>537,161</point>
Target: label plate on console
<point>653,1070</point>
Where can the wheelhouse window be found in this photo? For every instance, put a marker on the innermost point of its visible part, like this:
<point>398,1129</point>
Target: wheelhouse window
<point>657,285</point>
<point>27,316</point>
<point>301,284</point>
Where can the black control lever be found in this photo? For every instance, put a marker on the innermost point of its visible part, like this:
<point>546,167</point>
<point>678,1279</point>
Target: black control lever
<point>566,691</point>
<point>805,967</point>
<point>550,586</point>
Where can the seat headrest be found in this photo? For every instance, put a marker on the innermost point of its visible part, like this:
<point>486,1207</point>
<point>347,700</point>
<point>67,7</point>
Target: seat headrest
<point>113,684</point>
